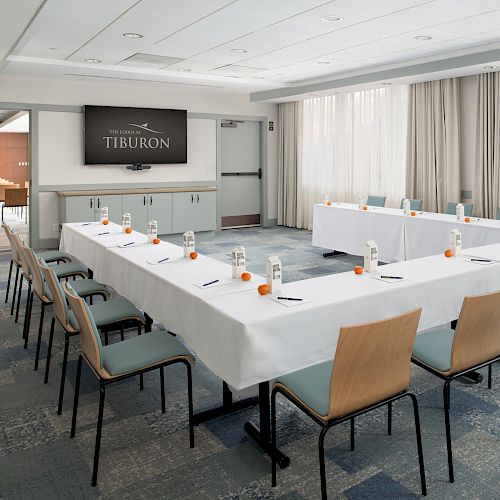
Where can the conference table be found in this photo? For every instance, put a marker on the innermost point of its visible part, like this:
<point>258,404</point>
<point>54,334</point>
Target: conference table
<point>247,339</point>
<point>345,227</point>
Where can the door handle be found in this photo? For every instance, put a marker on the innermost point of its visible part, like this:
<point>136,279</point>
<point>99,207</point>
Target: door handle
<point>242,174</point>
<point>98,202</point>
<point>91,202</point>
<point>192,198</point>
<point>197,198</point>
<point>150,200</point>
<point>144,201</point>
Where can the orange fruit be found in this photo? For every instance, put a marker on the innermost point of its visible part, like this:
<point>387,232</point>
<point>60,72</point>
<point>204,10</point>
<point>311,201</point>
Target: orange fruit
<point>128,230</point>
<point>193,255</point>
<point>328,203</point>
<point>413,214</point>
<point>263,289</point>
<point>156,241</point>
<point>448,253</point>
<point>467,219</point>
<point>365,207</point>
<point>246,276</point>
<point>105,222</point>
<point>358,270</point>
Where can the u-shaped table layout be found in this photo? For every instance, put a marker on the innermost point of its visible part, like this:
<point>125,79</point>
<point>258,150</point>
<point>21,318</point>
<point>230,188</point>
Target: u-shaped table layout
<point>247,339</point>
<point>345,228</point>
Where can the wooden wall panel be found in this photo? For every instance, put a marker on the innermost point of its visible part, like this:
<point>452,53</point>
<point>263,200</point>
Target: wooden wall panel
<point>14,149</point>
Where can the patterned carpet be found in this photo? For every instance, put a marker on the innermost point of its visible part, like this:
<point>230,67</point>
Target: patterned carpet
<point>145,454</point>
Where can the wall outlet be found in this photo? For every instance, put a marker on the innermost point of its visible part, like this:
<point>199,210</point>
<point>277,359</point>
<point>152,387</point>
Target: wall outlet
<point>55,228</point>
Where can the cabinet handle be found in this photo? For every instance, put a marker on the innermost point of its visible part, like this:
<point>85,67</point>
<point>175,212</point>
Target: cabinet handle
<point>150,200</point>
<point>192,198</point>
<point>91,202</point>
<point>98,202</point>
<point>197,198</point>
<point>144,200</point>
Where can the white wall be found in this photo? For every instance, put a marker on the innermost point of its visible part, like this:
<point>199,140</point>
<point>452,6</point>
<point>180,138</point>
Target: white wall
<point>61,165</point>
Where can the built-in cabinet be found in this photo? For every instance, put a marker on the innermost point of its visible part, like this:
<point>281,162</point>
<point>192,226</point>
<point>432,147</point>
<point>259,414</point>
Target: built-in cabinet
<point>175,212</point>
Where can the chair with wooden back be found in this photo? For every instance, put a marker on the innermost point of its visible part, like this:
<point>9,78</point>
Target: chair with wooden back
<point>371,369</point>
<point>13,261</point>
<point>16,197</point>
<point>449,354</point>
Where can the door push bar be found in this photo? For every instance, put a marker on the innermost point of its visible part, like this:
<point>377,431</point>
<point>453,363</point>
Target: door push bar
<point>240,174</point>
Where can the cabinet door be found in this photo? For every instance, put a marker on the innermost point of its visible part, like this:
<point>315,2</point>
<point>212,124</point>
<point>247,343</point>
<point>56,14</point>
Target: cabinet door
<point>136,205</point>
<point>160,209</point>
<point>194,211</point>
<point>79,209</point>
<point>114,204</point>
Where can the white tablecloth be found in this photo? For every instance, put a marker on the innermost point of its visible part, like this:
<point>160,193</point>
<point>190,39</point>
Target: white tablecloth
<point>245,338</point>
<point>346,228</point>
<point>429,233</point>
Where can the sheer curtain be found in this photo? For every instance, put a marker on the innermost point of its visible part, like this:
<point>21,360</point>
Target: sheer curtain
<point>352,145</point>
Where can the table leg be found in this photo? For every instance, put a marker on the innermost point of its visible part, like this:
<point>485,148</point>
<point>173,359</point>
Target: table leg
<point>262,434</point>
<point>334,253</point>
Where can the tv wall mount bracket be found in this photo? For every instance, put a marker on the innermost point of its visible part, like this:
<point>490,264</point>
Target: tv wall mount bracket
<point>138,166</point>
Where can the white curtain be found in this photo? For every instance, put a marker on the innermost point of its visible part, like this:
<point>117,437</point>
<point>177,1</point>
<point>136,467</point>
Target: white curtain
<point>352,145</point>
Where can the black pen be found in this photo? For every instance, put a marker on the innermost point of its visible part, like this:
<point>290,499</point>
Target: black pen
<point>163,260</point>
<point>288,298</point>
<point>210,282</point>
<point>86,224</point>
<point>128,244</point>
<point>392,277</point>
<point>480,260</point>
<point>101,234</point>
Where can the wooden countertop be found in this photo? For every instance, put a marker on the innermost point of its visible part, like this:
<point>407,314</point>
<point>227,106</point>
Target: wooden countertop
<point>104,192</point>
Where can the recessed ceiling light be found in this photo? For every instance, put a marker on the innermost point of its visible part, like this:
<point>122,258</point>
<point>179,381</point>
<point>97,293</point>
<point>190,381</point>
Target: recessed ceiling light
<point>490,67</point>
<point>324,62</point>
<point>331,19</point>
<point>93,60</point>
<point>239,51</point>
<point>423,37</point>
<point>53,48</point>
<point>183,69</point>
<point>133,35</point>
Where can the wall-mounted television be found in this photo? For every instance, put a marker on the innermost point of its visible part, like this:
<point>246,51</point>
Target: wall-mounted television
<point>118,135</point>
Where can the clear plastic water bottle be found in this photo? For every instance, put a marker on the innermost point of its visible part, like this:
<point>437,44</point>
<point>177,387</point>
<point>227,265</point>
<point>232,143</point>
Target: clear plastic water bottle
<point>126,222</point>
<point>103,214</point>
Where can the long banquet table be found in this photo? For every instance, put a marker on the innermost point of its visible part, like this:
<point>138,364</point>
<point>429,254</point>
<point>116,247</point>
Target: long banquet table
<point>346,228</point>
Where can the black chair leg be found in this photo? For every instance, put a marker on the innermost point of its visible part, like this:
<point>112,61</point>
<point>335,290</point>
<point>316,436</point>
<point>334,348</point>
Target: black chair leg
<point>141,376</point>
<point>27,319</point>
<point>63,373</point>
<point>490,368</point>
<point>273,438</point>
<point>77,393</point>
<point>162,388</point>
<point>49,350</point>
<point>322,471</point>
<point>190,405</point>
<point>14,291</point>
<point>352,434</point>
<point>39,340</point>
<point>389,419</point>
<point>8,281</point>
<point>19,298</point>
<point>419,443</point>
<point>122,333</point>
<point>102,394</point>
<point>446,397</point>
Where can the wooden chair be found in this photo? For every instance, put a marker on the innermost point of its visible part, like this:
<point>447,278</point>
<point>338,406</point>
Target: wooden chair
<point>449,354</point>
<point>375,201</point>
<point>16,197</point>
<point>371,369</point>
<point>122,360</point>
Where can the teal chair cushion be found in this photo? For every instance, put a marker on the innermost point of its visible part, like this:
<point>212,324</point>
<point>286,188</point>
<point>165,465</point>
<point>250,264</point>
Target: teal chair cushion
<point>54,255</point>
<point>498,213</point>
<point>414,204</point>
<point>434,348</point>
<point>87,287</point>
<point>311,385</point>
<point>69,269</point>
<point>452,209</point>
<point>111,311</point>
<point>140,352</point>
<point>375,201</point>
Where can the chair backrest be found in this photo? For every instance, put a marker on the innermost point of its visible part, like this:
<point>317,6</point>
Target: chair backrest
<point>375,201</point>
<point>22,255</point>
<point>498,213</point>
<point>58,296</point>
<point>90,340</point>
<point>451,209</point>
<point>13,247</point>
<point>36,274</point>
<point>414,204</point>
<point>372,362</point>
<point>477,336</point>
<point>16,197</point>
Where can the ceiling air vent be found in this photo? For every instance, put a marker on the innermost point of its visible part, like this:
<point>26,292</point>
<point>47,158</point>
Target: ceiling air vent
<point>150,60</point>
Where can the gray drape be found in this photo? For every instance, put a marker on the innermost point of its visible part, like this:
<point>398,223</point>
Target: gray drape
<point>433,147</point>
<point>289,118</point>
<point>487,165</point>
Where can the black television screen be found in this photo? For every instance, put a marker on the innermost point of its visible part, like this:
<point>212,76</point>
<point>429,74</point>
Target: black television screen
<point>116,136</point>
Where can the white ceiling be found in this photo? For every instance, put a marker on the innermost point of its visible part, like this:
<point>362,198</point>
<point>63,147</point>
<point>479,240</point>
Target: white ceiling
<point>286,42</point>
